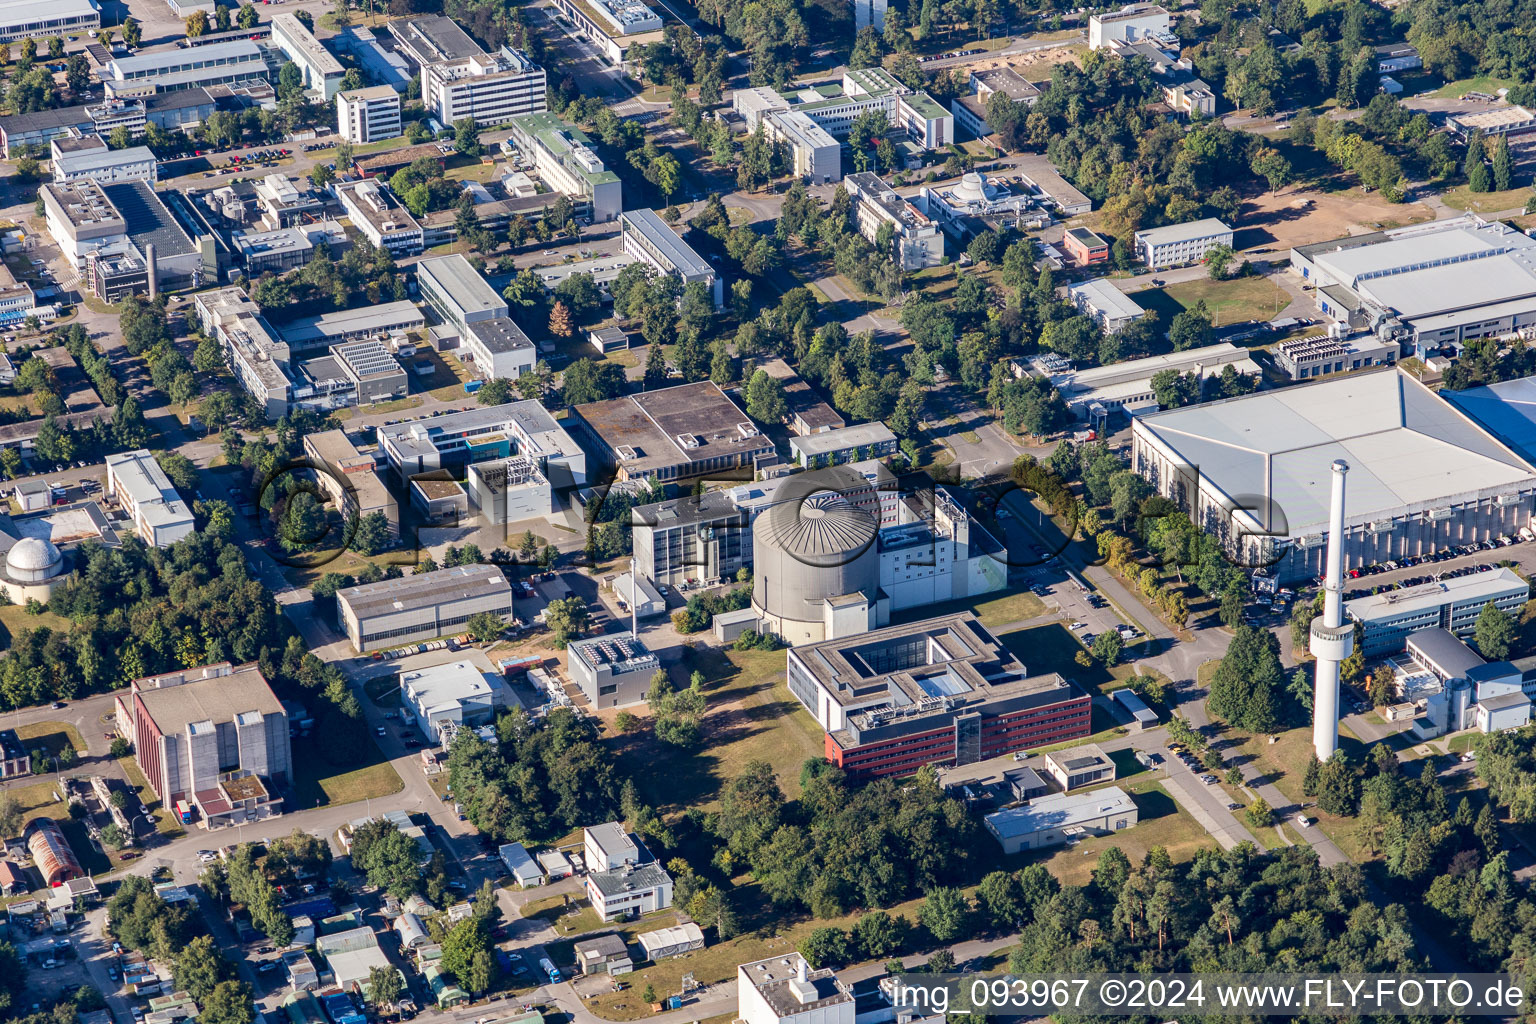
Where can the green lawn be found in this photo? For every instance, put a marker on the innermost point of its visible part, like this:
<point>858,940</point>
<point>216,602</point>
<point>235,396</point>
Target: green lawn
<point>317,783</point>
<point>991,609</point>
<point>1232,301</point>
<point>1160,822</point>
<point>16,618</point>
<point>1284,762</point>
<point>50,736</point>
<point>1481,83</point>
<point>752,717</point>
<point>1463,198</point>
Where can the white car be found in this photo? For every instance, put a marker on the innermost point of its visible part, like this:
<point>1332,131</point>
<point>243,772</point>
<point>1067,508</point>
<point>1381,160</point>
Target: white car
<point>1079,625</point>
<point>1467,758</point>
<point>1302,821</point>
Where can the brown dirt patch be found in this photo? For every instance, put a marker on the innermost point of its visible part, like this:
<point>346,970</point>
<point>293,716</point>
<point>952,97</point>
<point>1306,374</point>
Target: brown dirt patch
<point>1277,222</point>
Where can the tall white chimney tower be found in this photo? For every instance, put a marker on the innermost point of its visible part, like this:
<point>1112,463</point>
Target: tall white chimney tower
<point>1332,638</point>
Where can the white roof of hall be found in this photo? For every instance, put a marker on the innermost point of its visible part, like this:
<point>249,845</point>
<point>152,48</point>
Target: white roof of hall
<point>1406,448</point>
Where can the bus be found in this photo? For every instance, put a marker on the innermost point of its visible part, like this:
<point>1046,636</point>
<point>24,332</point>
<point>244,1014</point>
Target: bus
<point>184,812</point>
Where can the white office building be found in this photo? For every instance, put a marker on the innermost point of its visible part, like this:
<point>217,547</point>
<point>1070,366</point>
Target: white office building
<point>1127,387</point>
<point>1178,244</point>
<point>461,439</point>
<point>490,88</point>
<point>424,606</point>
<point>563,157</point>
<point>624,881</point>
<point>368,115</point>
<point>1108,306</point>
<point>499,349</point>
<point>457,692</point>
<point>160,517</point>
<point>1453,604</point>
<point>37,19</point>
<point>454,289</point>
<point>869,14</point>
<point>322,71</point>
<point>815,155</point>
<point>105,166</point>
<point>646,236</point>
<point>379,216</point>
<point>784,990</point>
<point>252,349</point>
<point>917,239</point>
<point>237,62</point>
<point>1130,24</point>
<point>613,26</point>
<point>1062,818</point>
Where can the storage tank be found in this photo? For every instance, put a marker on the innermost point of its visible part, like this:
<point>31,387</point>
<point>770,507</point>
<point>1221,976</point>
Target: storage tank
<point>813,546</point>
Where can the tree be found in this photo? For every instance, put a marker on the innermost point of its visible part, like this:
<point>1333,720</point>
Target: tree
<point>666,171</point>
<point>388,858</point>
<point>248,16</point>
<point>485,626</point>
<point>567,619</point>
<point>372,534</point>
<point>879,935</point>
<point>384,985</point>
<point>230,1002</point>
<point>199,968</point>
<point>1494,633</point>
<point>466,136</point>
<point>944,913</point>
<point>1192,328</point>
<point>10,816</point>
<point>765,398</point>
<point>132,33</point>
<point>464,942</point>
<point>1247,687</point>
<point>1478,178</point>
<point>1338,789</point>
<point>112,837</point>
<point>560,320</point>
<point>825,947</point>
<point>196,25</point>
<point>1218,260</point>
<point>1107,647</point>
<point>1312,777</point>
<point>1259,814</point>
<point>1503,166</point>
<point>585,381</point>
<point>120,748</point>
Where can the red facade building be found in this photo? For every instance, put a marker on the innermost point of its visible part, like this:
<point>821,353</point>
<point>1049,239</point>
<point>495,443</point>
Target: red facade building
<point>941,691</point>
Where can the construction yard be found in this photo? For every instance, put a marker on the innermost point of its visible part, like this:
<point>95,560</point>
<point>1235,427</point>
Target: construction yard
<point>1295,217</point>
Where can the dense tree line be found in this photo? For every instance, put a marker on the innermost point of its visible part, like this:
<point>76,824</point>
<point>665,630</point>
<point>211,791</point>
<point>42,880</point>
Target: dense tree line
<point>544,778</point>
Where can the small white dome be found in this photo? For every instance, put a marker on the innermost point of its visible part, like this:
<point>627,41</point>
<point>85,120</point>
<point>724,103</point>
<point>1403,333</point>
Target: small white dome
<point>972,187</point>
<point>32,559</point>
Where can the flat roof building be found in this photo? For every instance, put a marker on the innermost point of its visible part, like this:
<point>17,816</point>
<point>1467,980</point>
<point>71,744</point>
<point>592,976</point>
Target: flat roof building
<point>808,412</point>
<point>1129,24</point>
<point>106,166</point>
<point>1498,121</point>
<point>368,115</point>
<point>646,236</point>
<point>432,38</point>
<point>1178,244</point>
<point>251,347</point>
<point>1452,604</point>
<point>1044,178</point>
<point>1127,387</point>
<point>349,478</point>
<point>672,433</point>
<point>457,692</point>
<point>917,239</point>
<point>210,736</point>
<point>479,435</point>
<point>499,349</point>
<point>624,881</point>
<point>457,292</point>
<point>1431,286</point>
<point>1304,358</point>
<point>785,990</point>
<point>814,154</point>
<point>379,321</point>
<point>1106,305</point>
<point>379,215</point>
<point>1254,469</point>
<point>237,62</point>
<point>421,607</point>
<point>1053,820</point>
<point>939,691</point>
<point>37,19</point>
<point>613,26</point>
<point>563,157</point>
<point>508,491</point>
<point>613,670</point>
<point>1076,767</point>
<point>490,88</point>
<point>160,517</point>
<point>322,71</point>
<point>857,443</point>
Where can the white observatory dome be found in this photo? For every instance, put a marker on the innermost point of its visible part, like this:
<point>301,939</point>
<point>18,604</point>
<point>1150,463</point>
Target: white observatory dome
<point>33,560</point>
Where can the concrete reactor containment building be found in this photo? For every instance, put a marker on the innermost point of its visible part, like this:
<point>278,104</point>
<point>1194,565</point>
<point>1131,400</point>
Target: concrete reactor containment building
<point>818,567</point>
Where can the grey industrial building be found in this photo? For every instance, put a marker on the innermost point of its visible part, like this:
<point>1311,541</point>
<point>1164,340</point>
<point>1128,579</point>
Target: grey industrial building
<point>508,491</point>
<point>1253,471</point>
<point>1054,820</point>
<point>1428,286</point>
<point>673,433</point>
<point>373,371</point>
<point>1076,767</point>
<point>646,236</point>
<point>612,670</point>
<point>457,292</point>
<point>386,319</point>
<point>421,607</point>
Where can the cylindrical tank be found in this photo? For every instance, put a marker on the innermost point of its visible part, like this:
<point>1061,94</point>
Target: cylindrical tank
<point>152,271</point>
<point>812,545</point>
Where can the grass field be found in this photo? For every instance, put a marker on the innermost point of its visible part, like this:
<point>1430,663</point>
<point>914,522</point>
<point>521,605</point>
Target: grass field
<point>317,783</point>
<point>1481,83</point>
<point>1160,822</point>
<point>1463,198</point>
<point>50,736</point>
<point>1283,763</point>
<point>751,717</point>
<point>15,618</point>
<point>1239,299</point>
<point>1053,648</point>
<point>991,610</point>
